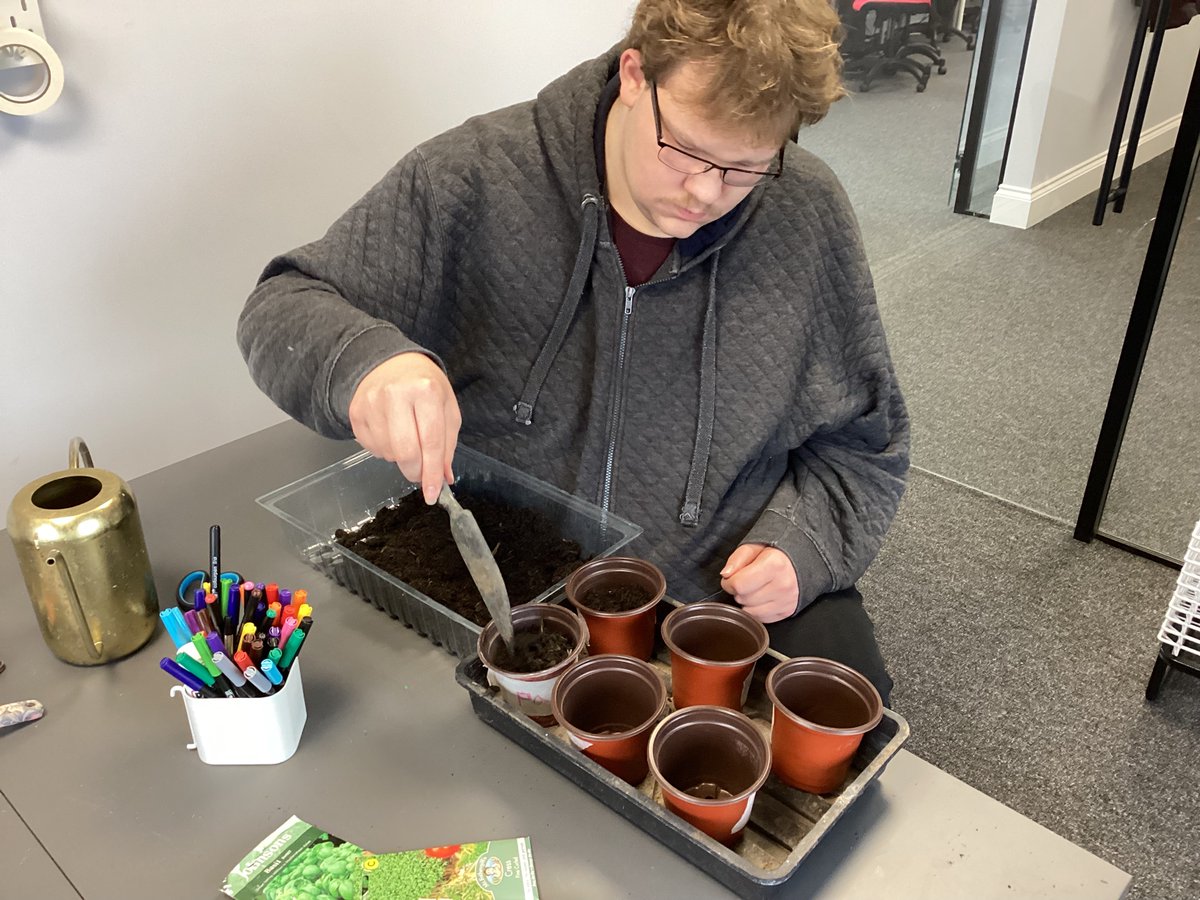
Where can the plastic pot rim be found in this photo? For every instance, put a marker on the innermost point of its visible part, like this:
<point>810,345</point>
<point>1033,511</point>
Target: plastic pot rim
<point>760,632</point>
<point>540,611</point>
<point>641,728</point>
<point>605,563</point>
<point>733,716</point>
<point>835,671</point>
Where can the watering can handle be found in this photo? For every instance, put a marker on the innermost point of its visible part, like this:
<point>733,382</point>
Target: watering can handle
<point>79,457</point>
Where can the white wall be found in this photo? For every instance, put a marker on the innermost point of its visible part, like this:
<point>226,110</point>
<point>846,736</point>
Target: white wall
<point>192,143</point>
<point>1074,70</point>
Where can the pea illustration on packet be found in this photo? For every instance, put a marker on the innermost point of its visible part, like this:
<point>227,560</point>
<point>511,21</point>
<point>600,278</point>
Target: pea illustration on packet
<point>298,860</point>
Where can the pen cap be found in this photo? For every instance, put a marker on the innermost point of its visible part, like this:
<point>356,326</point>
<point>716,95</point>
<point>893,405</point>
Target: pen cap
<point>243,731</point>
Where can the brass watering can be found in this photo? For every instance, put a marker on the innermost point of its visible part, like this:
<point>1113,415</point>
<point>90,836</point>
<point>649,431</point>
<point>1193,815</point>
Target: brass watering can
<point>79,542</point>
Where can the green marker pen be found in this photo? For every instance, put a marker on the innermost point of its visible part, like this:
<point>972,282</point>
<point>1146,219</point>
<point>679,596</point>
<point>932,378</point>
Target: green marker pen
<point>291,649</point>
<point>206,655</point>
<point>275,655</point>
<point>194,666</point>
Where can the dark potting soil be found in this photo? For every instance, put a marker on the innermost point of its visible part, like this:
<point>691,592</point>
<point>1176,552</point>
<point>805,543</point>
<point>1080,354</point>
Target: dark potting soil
<point>412,541</point>
<point>533,651</point>
<point>617,599</point>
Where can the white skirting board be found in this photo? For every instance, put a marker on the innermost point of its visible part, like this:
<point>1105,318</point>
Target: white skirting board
<point>1024,207</point>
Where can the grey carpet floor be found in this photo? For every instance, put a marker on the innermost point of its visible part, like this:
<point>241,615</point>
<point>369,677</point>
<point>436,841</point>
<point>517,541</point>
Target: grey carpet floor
<point>1021,655</point>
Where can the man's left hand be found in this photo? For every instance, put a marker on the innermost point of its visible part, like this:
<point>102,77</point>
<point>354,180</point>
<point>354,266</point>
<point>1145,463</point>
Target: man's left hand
<point>763,581</point>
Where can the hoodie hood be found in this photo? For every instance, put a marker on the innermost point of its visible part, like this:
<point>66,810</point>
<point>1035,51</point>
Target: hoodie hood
<point>573,112</point>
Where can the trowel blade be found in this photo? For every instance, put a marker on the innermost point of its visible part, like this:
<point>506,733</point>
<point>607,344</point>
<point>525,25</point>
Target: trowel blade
<point>480,563</point>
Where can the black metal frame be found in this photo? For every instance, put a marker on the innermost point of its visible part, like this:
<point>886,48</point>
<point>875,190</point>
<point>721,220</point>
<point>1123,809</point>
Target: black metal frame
<point>1107,193</point>
<point>1172,208</point>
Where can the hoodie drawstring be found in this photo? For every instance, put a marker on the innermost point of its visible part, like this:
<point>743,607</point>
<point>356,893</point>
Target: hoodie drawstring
<point>566,311</point>
<point>689,513</point>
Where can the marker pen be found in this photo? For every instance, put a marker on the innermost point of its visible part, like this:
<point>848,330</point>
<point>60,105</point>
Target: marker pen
<point>205,655</point>
<point>215,643</point>
<point>214,557</point>
<point>257,679</point>
<point>198,598</point>
<point>305,625</point>
<point>300,597</point>
<point>260,609</point>
<point>268,622</point>
<point>285,596</point>
<point>272,593</point>
<point>229,636</point>
<point>176,627</point>
<point>288,611</point>
<point>214,610</point>
<point>256,651</point>
<point>275,655</point>
<point>205,620</point>
<point>272,672</point>
<point>277,606</point>
<point>305,609</point>
<point>292,648</point>
<point>272,640</point>
<point>229,599</point>
<point>243,660</point>
<point>232,674</point>
<point>289,625</point>
<point>193,621</point>
<point>186,678</point>
<point>194,666</point>
<point>246,635</point>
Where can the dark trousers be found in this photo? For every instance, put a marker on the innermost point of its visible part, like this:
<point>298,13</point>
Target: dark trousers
<point>835,626</point>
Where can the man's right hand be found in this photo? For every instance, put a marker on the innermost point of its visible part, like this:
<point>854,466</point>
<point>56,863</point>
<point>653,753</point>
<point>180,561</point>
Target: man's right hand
<point>405,411</point>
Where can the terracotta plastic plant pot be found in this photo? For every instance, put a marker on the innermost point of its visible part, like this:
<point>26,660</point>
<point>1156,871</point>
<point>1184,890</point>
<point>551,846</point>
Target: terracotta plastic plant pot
<point>710,762</point>
<point>608,704</point>
<point>529,692</point>
<point>714,647</point>
<point>821,710</point>
<point>629,632</point>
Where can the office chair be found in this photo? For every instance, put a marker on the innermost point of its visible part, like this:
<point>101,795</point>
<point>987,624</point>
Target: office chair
<point>887,48</point>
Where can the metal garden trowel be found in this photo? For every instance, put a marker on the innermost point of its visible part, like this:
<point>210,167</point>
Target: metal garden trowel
<point>480,562</point>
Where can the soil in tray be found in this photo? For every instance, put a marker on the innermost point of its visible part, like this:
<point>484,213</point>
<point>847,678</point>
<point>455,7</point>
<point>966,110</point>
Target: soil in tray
<point>412,541</point>
<point>533,651</point>
<point>617,599</point>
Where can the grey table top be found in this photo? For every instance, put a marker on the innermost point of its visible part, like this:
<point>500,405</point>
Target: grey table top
<point>392,756</point>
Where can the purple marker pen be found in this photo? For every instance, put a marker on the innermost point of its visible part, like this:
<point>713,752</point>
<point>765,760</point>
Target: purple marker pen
<point>193,622</point>
<point>215,642</point>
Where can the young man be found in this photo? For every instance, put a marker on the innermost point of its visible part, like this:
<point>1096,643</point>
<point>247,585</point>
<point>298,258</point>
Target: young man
<point>636,288</point>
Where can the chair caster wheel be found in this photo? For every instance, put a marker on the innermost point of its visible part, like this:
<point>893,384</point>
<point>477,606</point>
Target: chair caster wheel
<point>942,69</point>
<point>920,87</point>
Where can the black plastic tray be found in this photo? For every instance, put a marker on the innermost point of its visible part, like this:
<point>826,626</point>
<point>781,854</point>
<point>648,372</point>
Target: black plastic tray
<point>785,826</point>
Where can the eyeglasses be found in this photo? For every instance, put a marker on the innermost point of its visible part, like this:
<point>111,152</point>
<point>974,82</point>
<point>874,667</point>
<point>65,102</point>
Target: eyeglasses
<point>691,164</point>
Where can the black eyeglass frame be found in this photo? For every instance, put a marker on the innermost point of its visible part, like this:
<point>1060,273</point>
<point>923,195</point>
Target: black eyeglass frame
<point>724,170</point>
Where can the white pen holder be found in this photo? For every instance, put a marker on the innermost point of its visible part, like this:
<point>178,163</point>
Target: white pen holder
<point>247,731</point>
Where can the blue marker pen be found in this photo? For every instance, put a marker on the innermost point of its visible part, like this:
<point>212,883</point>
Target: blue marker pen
<point>186,678</point>
<point>176,627</point>
<point>269,669</point>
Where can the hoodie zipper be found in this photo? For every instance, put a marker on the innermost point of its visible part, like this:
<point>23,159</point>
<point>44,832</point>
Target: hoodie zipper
<point>619,383</point>
<point>618,400</point>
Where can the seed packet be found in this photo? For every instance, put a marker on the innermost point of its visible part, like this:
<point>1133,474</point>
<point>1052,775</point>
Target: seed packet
<point>298,860</point>
<point>487,870</point>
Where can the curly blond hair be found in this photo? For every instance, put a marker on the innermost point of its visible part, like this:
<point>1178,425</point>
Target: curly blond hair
<point>775,64</point>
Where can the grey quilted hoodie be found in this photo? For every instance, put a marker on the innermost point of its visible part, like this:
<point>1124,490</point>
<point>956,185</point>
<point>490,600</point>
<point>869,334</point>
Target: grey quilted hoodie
<point>744,394</point>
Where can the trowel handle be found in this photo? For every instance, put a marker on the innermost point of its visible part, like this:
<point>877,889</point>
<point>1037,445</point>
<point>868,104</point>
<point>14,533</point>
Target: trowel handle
<point>55,558</point>
<point>78,456</point>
